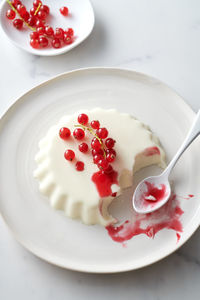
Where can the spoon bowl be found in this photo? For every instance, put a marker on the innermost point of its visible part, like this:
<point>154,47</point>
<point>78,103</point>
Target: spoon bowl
<point>151,193</point>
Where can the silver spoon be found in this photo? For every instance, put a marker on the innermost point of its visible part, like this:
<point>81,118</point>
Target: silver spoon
<point>153,192</point>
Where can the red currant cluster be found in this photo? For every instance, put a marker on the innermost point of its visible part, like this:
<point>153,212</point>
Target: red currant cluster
<point>42,35</point>
<point>102,146</point>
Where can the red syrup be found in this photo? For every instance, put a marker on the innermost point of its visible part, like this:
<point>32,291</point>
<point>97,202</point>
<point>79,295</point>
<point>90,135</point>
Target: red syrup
<point>151,151</point>
<point>158,193</point>
<point>178,237</point>
<point>104,182</point>
<point>167,217</point>
<point>187,198</point>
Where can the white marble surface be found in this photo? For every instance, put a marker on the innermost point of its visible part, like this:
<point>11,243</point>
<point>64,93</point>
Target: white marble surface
<point>160,38</point>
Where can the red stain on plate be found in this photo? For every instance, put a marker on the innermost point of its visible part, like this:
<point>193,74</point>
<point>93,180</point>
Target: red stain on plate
<point>178,236</point>
<point>167,217</point>
<point>188,197</point>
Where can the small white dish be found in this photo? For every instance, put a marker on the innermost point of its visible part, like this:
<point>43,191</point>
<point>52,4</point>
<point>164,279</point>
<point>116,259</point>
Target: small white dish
<point>66,242</point>
<point>81,19</point>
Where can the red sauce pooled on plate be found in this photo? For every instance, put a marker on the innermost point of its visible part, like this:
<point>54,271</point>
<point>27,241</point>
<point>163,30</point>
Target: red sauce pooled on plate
<point>167,217</point>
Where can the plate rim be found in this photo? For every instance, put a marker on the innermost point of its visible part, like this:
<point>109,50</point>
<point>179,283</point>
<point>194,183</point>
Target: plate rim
<point>55,53</point>
<point>20,99</point>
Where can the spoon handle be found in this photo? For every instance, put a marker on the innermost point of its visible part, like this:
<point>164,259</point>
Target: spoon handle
<point>192,134</point>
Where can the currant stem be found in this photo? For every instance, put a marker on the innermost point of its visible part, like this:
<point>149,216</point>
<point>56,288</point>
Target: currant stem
<point>13,8</point>
<point>93,133</point>
<point>35,13</point>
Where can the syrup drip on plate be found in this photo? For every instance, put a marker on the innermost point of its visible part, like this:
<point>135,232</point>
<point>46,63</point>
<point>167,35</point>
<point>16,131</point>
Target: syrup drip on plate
<point>187,198</point>
<point>178,237</point>
<point>167,217</point>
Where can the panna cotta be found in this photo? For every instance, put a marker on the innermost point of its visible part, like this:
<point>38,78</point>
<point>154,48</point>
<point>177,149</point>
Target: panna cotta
<point>88,158</point>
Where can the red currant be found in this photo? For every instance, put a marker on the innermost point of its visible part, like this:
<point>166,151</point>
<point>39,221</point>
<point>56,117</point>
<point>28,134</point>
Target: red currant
<point>103,164</point>
<point>64,11</point>
<point>26,16</point>
<point>41,15</point>
<point>97,158</point>
<point>99,151</point>
<point>43,41</point>
<point>95,144</point>
<point>49,31</point>
<point>69,32</point>
<point>79,166</point>
<point>110,157</point>
<point>111,151</point>
<point>34,43</point>
<point>79,133</point>
<point>21,9</point>
<point>114,194</point>
<point>109,169</point>
<point>39,23</point>
<point>83,147</point>
<point>64,133</point>
<point>95,124</point>
<point>45,8</point>
<point>69,155</point>
<point>36,3</point>
<point>34,35</point>
<point>59,33</point>
<point>32,21</point>
<point>83,119</point>
<point>40,30</point>
<point>18,24</point>
<point>110,143</point>
<point>16,2</point>
<point>32,11</point>
<point>10,14</point>
<point>56,43</point>
<point>67,39</point>
<point>102,133</point>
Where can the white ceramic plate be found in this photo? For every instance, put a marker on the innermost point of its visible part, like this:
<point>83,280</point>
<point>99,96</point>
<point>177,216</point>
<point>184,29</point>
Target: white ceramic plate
<point>81,19</point>
<point>68,243</point>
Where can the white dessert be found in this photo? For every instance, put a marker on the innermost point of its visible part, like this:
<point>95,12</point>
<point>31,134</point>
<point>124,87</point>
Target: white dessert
<point>74,192</point>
